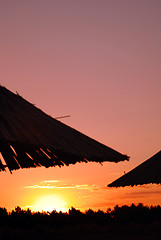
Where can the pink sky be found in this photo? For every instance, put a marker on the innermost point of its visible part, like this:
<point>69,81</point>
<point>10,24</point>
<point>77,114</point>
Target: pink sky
<point>100,62</point>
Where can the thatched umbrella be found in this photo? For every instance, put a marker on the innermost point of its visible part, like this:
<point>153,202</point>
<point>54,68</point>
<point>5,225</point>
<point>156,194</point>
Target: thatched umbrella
<point>147,172</point>
<point>31,138</point>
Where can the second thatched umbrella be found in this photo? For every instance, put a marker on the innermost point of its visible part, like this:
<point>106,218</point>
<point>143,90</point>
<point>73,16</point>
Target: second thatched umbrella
<point>147,172</point>
<point>31,138</point>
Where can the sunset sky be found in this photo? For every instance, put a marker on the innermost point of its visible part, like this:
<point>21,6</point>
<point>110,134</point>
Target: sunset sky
<point>100,62</point>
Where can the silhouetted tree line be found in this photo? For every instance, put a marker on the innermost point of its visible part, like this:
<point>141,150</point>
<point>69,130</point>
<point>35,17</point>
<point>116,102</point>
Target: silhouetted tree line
<point>123,222</point>
<point>124,214</point>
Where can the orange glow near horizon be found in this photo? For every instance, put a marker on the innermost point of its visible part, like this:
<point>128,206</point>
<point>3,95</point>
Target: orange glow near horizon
<point>61,195</point>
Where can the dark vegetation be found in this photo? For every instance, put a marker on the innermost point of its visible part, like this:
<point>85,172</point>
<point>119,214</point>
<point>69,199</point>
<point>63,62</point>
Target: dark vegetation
<point>126,222</point>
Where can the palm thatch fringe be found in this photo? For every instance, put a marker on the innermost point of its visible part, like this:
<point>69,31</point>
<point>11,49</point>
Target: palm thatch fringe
<point>147,172</point>
<point>24,155</point>
<point>9,156</point>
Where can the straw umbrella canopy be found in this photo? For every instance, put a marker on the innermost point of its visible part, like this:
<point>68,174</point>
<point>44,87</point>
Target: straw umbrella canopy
<point>147,172</point>
<point>31,138</point>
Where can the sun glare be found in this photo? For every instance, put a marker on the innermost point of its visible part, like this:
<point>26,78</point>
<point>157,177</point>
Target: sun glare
<point>50,203</point>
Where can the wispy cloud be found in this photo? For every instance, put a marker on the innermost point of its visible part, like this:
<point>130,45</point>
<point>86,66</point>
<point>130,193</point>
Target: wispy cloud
<point>51,181</point>
<point>40,186</point>
<point>143,193</point>
<point>56,184</point>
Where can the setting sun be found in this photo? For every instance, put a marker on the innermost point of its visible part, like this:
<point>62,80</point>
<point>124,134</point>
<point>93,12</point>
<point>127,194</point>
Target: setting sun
<point>50,203</point>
